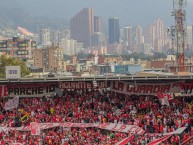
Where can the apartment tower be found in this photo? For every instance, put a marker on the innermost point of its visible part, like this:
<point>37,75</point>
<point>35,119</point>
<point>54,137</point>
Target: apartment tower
<point>82,26</point>
<point>97,24</point>
<point>114,31</point>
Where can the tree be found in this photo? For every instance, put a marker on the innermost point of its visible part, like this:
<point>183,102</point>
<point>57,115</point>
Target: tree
<point>158,55</point>
<point>10,61</point>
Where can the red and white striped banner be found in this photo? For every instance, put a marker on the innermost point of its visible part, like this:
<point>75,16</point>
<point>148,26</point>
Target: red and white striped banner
<point>186,141</point>
<point>125,140</point>
<point>107,126</point>
<point>160,140</point>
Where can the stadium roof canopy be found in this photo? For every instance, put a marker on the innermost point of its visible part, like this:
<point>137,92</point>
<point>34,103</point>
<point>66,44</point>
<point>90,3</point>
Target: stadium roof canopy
<point>108,78</point>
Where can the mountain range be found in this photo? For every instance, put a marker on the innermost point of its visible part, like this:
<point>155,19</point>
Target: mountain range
<point>14,15</point>
<point>36,14</point>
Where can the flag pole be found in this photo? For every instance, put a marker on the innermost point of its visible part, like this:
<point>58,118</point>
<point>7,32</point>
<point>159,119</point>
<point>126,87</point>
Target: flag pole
<point>17,111</point>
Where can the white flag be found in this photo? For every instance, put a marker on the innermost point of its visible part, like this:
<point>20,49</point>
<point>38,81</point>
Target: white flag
<point>35,128</point>
<point>13,103</point>
<point>165,98</point>
<point>59,92</point>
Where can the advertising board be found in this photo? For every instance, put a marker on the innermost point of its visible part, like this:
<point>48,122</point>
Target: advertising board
<point>13,72</point>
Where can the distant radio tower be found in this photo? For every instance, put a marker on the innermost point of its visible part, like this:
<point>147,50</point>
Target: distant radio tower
<point>178,33</point>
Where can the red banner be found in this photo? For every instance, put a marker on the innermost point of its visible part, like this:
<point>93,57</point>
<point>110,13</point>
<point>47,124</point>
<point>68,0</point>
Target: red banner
<point>3,90</point>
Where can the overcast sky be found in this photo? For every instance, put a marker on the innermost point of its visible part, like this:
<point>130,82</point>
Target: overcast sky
<point>130,12</point>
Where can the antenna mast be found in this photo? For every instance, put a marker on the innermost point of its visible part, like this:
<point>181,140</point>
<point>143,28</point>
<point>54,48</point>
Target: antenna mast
<point>179,33</point>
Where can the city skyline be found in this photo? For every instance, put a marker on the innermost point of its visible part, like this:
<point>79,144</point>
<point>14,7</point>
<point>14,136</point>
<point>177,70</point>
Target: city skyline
<point>129,12</point>
<point>85,34</point>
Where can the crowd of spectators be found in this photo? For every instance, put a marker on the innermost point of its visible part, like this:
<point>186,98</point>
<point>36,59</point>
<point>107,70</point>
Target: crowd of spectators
<point>97,106</point>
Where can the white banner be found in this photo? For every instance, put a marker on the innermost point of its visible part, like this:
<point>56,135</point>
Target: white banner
<point>178,131</point>
<point>144,88</point>
<point>35,128</point>
<point>165,98</point>
<point>12,103</point>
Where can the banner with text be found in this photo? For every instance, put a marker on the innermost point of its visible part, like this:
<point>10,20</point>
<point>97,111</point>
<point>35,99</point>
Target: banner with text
<point>144,88</point>
<point>179,88</point>
<point>27,90</point>
<point>83,85</point>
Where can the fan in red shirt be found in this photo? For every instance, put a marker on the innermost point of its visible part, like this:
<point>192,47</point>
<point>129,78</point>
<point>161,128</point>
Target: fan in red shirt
<point>185,137</point>
<point>177,139</point>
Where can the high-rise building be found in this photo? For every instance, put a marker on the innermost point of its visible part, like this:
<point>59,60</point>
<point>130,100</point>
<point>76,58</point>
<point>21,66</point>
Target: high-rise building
<point>97,24</point>
<point>82,26</point>
<point>45,37</point>
<point>17,47</point>
<point>132,38</point>
<point>55,37</point>
<point>192,34</point>
<point>114,31</point>
<point>127,36</point>
<point>189,35</point>
<point>50,58</point>
<point>157,34</point>
<point>137,39</point>
<point>98,39</point>
<point>68,46</point>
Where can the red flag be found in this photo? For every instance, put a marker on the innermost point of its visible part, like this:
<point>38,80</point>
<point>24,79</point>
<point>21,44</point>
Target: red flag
<point>160,96</point>
<point>35,128</point>
<point>3,90</point>
<point>170,96</point>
